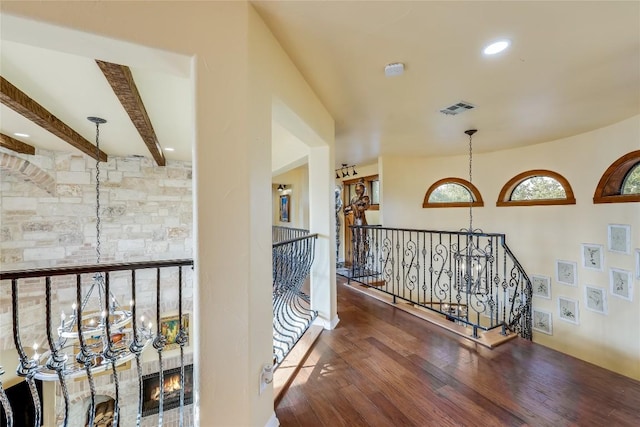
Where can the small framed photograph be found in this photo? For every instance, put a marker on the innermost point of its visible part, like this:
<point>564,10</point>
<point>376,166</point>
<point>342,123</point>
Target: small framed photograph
<point>542,321</point>
<point>170,327</point>
<point>620,283</point>
<point>619,237</point>
<point>568,310</point>
<point>567,272</point>
<point>592,256</point>
<point>637,263</point>
<point>595,299</point>
<point>541,286</point>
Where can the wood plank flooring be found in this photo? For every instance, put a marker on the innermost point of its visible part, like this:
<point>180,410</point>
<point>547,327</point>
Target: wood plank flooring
<point>384,367</point>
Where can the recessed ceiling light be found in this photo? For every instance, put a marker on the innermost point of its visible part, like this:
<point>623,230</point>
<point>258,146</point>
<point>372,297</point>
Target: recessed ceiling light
<point>496,47</point>
<point>169,149</point>
<point>23,135</point>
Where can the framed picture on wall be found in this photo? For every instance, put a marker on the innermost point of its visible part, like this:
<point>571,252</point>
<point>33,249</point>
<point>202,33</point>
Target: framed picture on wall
<point>568,310</point>
<point>542,321</point>
<point>595,299</point>
<point>592,256</point>
<point>638,263</point>
<point>567,272</point>
<point>620,283</point>
<point>619,238</point>
<point>170,326</point>
<point>541,286</point>
<point>284,208</point>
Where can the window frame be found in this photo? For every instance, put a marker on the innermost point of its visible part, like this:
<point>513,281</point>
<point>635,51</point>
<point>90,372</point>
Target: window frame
<point>609,188</point>
<point>504,199</point>
<point>476,197</point>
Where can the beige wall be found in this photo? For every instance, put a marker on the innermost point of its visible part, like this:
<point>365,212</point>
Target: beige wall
<point>540,235</point>
<point>297,182</point>
<point>238,72</point>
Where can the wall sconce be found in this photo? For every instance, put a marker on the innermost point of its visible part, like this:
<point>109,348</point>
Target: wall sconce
<point>344,170</point>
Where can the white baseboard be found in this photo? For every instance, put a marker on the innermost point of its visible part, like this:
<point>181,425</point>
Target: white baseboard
<point>329,325</point>
<point>273,421</point>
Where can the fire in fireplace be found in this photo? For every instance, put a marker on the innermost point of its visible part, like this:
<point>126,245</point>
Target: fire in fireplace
<point>151,390</point>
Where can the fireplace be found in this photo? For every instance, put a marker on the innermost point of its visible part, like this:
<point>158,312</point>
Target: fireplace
<point>151,390</point>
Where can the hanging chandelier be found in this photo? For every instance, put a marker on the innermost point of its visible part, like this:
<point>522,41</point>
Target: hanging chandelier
<point>471,260</point>
<point>89,339</point>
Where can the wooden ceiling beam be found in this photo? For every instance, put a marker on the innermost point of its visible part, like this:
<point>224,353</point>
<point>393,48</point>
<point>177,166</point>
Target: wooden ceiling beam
<point>21,103</point>
<point>14,145</point>
<point>122,83</point>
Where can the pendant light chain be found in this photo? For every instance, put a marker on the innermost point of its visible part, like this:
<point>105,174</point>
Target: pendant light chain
<point>97,192</point>
<point>470,182</point>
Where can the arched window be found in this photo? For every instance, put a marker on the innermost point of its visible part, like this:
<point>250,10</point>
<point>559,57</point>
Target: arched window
<point>452,193</point>
<point>621,181</point>
<point>536,187</point>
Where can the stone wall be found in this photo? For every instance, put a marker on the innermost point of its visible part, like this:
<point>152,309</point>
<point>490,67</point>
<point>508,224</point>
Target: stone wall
<point>48,219</point>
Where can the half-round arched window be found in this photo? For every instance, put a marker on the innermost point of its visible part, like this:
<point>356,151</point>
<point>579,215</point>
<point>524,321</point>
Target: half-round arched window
<point>536,187</point>
<point>621,181</point>
<point>452,193</point>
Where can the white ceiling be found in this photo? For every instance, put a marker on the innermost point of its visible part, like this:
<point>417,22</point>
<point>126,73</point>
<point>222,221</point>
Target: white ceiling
<point>572,67</point>
<point>56,67</point>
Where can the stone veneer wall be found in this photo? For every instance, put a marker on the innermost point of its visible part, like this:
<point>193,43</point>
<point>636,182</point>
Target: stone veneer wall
<point>48,219</point>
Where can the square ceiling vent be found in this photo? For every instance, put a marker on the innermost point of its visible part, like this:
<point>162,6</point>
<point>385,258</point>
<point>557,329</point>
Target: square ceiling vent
<point>457,108</point>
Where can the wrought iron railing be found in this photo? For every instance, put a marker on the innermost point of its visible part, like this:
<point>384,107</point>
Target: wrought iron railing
<point>94,336</point>
<point>280,234</point>
<point>472,278</point>
<point>292,313</point>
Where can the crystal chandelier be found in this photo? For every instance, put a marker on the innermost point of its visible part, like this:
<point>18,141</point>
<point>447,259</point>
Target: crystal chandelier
<point>89,339</point>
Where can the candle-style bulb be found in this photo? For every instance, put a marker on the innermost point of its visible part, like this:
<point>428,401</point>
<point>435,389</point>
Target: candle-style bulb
<point>142,319</point>
<point>150,325</point>
<point>63,316</point>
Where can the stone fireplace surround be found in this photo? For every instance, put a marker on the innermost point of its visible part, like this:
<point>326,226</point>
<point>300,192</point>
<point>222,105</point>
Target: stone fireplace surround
<point>79,395</point>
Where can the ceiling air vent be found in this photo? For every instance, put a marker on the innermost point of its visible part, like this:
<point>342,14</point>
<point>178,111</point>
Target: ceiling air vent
<point>457,108</point>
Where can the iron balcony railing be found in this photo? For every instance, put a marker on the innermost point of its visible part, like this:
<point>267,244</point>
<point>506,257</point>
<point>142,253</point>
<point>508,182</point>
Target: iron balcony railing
<point>292,313</point>
<point>280,233</point>
<point>80,334</point>
<point>472,278</point>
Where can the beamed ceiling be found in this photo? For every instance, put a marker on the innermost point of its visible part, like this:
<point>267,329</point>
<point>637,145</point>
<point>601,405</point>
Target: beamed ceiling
<point>572,67</point>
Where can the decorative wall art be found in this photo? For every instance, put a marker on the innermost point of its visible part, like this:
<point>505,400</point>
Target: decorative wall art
<point>619,237</point>
<point>568,310</point>
<point>567,272</point>
<point>592,256</point>
<point>542,321</point>
<point>284,208</point>
<point>638,263</point>
<point>595,299</point>
<point>541,286</point>
<point>620,283</point>
<point>170,326</point>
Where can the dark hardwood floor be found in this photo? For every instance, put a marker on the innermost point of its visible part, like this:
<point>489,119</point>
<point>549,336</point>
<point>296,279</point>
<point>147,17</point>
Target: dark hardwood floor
<point>384,367</point>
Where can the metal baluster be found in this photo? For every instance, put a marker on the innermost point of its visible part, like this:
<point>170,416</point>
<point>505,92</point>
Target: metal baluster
<point>4,401</point>
<point>181,340</point>
<point>85,357</point>
<point>28,367</point>
<point>159,343</point>
<point>109,352</point>
<point>136,347</point>
<point>57,360</point>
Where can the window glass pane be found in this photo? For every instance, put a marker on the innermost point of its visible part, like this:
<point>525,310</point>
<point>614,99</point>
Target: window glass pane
<point>447,193</point>
<point>537,188</point>
<point>375,192</point>
<point>631,184</point>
